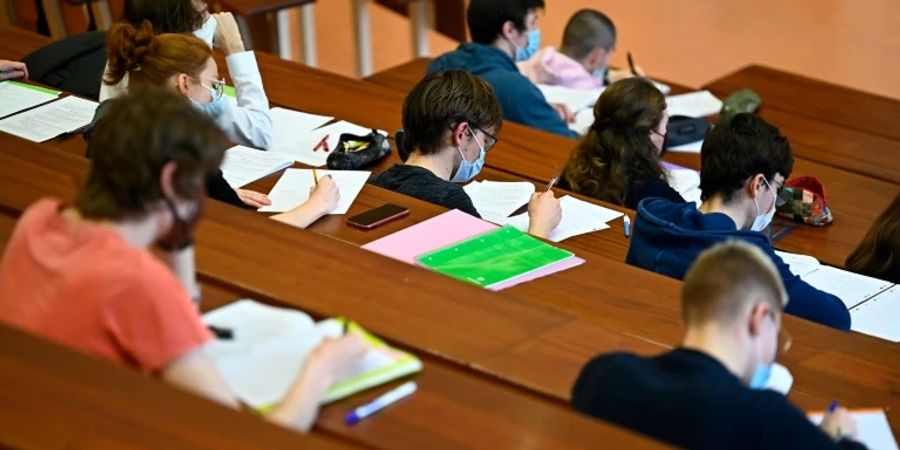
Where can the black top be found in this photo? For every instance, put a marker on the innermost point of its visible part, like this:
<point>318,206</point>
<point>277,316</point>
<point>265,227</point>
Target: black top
<point>638,191</point>
<point>423,184</point>
<point>689,399</point>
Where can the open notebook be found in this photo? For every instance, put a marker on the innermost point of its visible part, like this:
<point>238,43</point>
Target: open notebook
<point>269,346</point>
<point>872,426</point>
<point>874,304</point>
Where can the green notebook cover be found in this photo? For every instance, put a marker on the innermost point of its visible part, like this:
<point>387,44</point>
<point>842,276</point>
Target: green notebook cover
<point>493,257</point>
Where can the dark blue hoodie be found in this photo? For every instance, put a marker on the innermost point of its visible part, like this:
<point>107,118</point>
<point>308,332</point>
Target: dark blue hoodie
<point>520,99</point>
<point>668,237</point>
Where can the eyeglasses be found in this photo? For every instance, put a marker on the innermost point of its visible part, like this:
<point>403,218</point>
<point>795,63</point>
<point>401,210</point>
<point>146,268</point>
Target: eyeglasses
<point>217,87</point>
<point>785,340</point>
<point>491,140</point>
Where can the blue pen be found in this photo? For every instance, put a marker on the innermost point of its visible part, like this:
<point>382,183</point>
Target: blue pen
<point>833,406</point>
<point>627,224</point>
<point>387,399</point>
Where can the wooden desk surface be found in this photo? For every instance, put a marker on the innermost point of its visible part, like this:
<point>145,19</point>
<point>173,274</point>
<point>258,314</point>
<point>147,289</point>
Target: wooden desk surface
<point>252,7</point>
<point>483,411</point>
<point>536,335</point>
<point>856,200</point>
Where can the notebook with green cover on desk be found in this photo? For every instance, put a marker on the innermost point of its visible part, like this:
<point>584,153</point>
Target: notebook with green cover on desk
<point>494,258</point>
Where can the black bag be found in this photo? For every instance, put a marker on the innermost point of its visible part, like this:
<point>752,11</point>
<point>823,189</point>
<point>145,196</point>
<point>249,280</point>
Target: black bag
<point>684,130</point>
<point>358,152</point>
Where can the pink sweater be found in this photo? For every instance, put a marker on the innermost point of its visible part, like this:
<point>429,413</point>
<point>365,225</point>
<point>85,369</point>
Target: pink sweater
<point>548,66</point>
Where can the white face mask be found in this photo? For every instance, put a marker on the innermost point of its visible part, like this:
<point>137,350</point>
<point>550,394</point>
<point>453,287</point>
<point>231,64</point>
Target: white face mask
<point>208,31</point>
<point>763,220</point>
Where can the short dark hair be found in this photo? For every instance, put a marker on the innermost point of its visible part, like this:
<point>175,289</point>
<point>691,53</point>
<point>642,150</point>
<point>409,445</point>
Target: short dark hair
<point>442,100</point>
<point>586,30</point>
<point>486,17</point>
<point>738,149</point>
<point>135,138</point>
<point>167,16</point>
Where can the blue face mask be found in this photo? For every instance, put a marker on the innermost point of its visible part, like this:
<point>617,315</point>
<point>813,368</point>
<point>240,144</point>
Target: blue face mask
<point>212,109</point>
<point>599,73</point>
<point>534,43</point>
<point>761,375</point>
<point>468,169</point>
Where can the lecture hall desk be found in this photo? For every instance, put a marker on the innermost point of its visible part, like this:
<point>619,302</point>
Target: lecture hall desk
<point>600,307</point>
<point>855,199</point>
<point>454,408</point>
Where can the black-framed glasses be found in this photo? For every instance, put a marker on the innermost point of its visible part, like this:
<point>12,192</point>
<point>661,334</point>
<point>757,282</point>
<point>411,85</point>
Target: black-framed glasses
<point>491,140</point>
<point>217,87</point>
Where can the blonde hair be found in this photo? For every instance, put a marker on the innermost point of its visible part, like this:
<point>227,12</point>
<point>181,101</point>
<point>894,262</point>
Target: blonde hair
<point>725,279</point>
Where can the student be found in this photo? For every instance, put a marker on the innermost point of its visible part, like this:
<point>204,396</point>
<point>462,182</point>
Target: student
<point>245,121</point>
<point>184,64</point>
<point>505,31</point>
<point>10,70</point>
<point>708,393</point>
<point>618,160</point>
<point>582,62</point>
<point>83,274</point>
<point>878,255</point>
<point>744,163</point>
<point>450,122</point>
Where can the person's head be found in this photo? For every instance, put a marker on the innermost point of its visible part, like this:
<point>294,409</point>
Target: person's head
<point>623,145</point>
<point>878,254</point>
<point>178,62</point>
<point>744,164</point>
<point>734,295</point>
<point>589,38</point>
<point>510,25</point>
<point>453,115</point>
<point>150,154</point>
<point>167,16</point>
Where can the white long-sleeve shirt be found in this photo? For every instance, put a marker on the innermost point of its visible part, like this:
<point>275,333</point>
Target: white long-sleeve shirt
<point>245,121</point>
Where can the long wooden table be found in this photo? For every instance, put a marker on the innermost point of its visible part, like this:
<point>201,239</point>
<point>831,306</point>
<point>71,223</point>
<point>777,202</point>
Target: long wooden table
<point>856,200</point>
<point>556,325</point>
<point>841,127</point>
<point>326,277</point>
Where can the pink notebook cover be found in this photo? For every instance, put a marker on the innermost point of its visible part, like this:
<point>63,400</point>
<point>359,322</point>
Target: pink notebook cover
<point>447,229</point>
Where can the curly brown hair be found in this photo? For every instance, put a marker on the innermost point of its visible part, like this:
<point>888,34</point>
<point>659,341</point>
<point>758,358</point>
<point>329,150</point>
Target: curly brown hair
<point>617,150</point>
<point>878,255</point>
<point>150,59</point>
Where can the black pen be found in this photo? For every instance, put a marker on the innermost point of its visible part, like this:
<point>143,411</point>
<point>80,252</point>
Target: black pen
<point>631,65</point>
<point>220,332</point>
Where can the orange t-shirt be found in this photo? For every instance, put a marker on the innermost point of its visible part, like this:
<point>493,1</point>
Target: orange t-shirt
<point>83,285</point>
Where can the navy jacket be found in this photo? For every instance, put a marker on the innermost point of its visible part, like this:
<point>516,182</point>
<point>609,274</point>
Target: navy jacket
<point>520,99</point>
<point>689,399</point>
<point>668,236</point>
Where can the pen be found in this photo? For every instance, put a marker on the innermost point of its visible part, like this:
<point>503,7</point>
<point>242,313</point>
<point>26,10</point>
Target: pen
<point>323,143</point>
<point>631,65</point>
<point>833,406</point>
<point>627,224</point>
<point>388,399</point>
<point>220,332</point>
<point>346,325</point>
<point>315,177</point>
<point>551,183</point>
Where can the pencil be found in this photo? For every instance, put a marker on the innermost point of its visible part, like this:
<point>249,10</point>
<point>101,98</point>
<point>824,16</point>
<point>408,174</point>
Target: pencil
<point>315,178</point>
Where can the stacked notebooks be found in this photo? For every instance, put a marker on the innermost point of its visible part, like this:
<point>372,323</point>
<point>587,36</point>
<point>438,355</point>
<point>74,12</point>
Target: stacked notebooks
<point>472,250</point>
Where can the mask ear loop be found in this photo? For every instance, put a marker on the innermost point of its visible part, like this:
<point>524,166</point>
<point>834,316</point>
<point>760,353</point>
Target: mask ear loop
<point>181,225</point>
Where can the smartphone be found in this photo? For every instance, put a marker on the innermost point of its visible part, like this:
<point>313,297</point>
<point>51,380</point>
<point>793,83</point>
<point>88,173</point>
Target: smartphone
<point>374,217</point>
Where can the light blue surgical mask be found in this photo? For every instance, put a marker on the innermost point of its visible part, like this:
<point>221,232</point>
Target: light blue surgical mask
<point>468,169</point>
<point>531,47</point>
<point>211,109</point>
<point>761,375</point>
<point>763,219</point>
<point>599,73</point>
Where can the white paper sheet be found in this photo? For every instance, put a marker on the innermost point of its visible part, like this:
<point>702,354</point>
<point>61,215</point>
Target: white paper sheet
<point>873,428</point>
<point>292,189</point>
<point>583,121</point>
<point>578,217</point>
<point>302,145</point>
<point>51,120</point>
<point>15,97</point>
<point>879,316</point>
<point>800,265</point>
<point>690,147</point>
<point>686,182</point>
<point>496,200</point>
<point>575,99</point>
<point>693,104</point>
<point>852,288</point>
<point>244,165</point>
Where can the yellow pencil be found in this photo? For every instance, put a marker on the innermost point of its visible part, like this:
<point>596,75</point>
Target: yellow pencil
<point>315,178</point>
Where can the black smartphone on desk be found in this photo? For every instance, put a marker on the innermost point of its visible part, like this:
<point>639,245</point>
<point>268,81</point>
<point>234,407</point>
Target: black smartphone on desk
<point>374,217</point>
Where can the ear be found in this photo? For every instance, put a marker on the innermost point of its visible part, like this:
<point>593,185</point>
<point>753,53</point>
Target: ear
<point>182,84</point>
<point>758,315</point>
<point>509,30</point>
<point>755,185</point>
<point>167,179</point>
<point>459,133</point>
<point>596,56</point>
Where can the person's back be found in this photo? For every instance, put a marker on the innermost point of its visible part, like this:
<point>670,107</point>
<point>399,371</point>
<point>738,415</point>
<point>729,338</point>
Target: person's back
<point>708,393</point>
<point>502,32</point>
<point>744,164</point>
